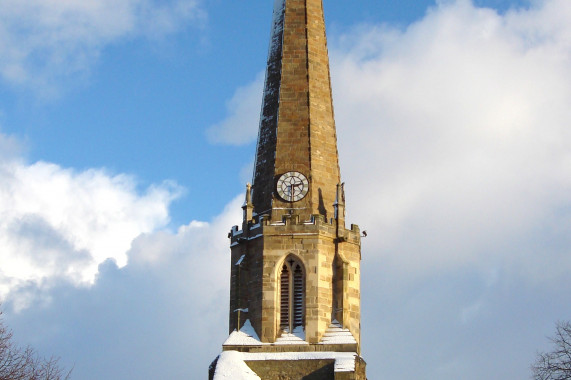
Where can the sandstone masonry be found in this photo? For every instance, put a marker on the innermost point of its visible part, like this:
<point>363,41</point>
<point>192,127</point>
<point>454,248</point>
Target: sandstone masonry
<point>295,267</point>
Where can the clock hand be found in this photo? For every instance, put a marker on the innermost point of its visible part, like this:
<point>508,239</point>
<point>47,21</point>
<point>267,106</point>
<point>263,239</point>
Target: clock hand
<point>293,186</point>
<point>296,185</point>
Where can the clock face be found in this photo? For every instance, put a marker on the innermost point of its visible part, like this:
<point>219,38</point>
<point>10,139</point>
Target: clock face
<point>292,186</point>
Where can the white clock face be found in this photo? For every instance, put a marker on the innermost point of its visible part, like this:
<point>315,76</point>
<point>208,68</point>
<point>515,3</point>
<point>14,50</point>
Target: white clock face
<point>292,186</point>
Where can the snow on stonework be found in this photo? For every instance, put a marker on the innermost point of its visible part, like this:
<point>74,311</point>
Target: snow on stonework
<point>245,337</point>
<point>344,361</point>
<point>336,334</point>
<point>231,365</point>
<point>277,24</point>
<point>240,260</point>
<point>297,337</point>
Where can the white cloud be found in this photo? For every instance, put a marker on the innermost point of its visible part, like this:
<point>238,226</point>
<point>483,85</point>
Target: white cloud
<point>43,41</point>
<point>241,124</point>
<point>168,306</point>
<point>10,147</point>
<point>59,223</point>
<point>462,127</point>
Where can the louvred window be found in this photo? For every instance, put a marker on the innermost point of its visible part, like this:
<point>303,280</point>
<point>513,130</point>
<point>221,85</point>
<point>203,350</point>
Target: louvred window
<point>292,290</point>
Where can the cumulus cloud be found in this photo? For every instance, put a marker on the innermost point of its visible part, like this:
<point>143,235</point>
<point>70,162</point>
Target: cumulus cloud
<point>42,41</point>
<point>463,119</point>
<point>58,223</point>
<point>241,124</point>
<point>10,147</point>
<point>168,306</point>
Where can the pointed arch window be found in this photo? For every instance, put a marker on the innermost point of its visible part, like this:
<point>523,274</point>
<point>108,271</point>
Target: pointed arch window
<point>292,295</point>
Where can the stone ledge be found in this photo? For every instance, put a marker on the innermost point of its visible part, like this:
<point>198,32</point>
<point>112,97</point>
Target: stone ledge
<point>274,348</point>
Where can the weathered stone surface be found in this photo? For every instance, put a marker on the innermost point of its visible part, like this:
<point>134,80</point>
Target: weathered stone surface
<point>297,133</point>
<point>293,369</point>
<point>297,129</point>
<point>332,276</point>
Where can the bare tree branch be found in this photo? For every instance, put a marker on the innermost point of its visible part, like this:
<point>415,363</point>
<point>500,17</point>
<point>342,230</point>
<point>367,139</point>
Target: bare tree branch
<point>18,363</point>
<point>556,364</point>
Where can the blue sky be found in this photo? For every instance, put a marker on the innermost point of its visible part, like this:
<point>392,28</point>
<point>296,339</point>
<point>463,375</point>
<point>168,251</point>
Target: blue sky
<point>120,108</point>
<point>127,133</point>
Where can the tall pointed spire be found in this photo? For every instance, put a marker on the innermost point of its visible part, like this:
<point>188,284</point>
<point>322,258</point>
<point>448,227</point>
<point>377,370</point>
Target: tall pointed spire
<point>297,128</point>
<point>295,280</point>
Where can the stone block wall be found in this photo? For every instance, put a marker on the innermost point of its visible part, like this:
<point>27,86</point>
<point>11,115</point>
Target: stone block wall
<point>332,270</point>
<point>359,374</point>
<point>297,129</point>
<point>293,369</point>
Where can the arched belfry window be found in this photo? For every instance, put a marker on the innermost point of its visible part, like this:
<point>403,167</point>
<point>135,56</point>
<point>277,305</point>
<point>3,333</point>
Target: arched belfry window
<point>292,295</point>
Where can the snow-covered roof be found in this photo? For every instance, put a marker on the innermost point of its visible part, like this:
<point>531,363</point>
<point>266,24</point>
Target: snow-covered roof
<point>296,337</point>
<point>231,365</point>
<point>336,334</point>
<point>245,337</point>
<point>235,361</point>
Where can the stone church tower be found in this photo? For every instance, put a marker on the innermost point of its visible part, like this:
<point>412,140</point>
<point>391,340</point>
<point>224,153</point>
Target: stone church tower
<point>295,267</point>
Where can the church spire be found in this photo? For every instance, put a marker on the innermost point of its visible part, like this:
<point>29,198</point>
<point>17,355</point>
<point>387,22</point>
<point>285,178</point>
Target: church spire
<point>294,278</point>
<point>297,128</point>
